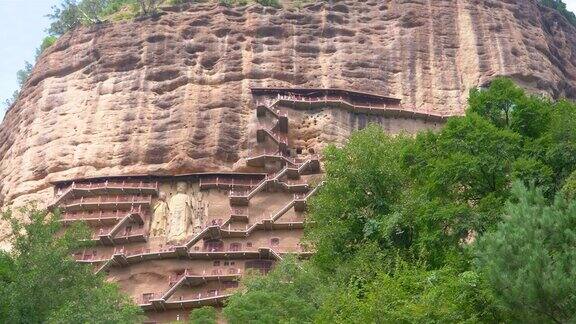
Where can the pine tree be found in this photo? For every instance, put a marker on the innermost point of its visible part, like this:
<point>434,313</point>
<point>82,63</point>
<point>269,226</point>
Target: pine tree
<point>530,260</point>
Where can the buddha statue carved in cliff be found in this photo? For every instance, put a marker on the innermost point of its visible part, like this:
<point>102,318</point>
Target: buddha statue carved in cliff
<point>180,214</point>
<point>160,216</point>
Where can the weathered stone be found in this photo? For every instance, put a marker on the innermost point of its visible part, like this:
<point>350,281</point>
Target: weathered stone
<point>170,95</point>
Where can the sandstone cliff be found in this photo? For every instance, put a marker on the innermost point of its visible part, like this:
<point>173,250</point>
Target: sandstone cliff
<point>171,95</point>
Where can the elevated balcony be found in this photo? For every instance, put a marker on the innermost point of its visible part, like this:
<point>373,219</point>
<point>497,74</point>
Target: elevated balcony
<point>226,182</point>
<point>108,187</point>
<point>354,101</point>
<point>104,217</point>
<point>209,298</point>
<point>239,214</point>
<point>260,159</point>
<point>119,202</point>
<point>191,279</point>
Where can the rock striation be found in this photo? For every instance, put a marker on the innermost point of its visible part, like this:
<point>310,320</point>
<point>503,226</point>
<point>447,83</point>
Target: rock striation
<point>171,94</point>
<point>188,142</point>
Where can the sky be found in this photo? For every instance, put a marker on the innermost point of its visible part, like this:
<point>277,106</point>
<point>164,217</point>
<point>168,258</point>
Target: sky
<point>22,28</point>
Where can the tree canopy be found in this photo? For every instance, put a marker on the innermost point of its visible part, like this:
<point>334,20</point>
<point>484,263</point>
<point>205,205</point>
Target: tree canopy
<point>40,282</point>
<point>530,261</point>
<point>203,315</point>
<point>420,229</point>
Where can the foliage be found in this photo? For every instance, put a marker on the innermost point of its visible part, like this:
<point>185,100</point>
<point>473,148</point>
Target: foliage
<point>46,42</point>
<point>557,146</point>
<point>569,188</point>
<point>64,17</point>
<point>561,7</point>
<point>546,129</point>
<point>393,223</point>
<point>269,3</point>
<point>203,315</point>
<point>149,6</point>
<point>467,161</point>
<point>73,13</point>
<point>21,76</point>
<point>412,295</point>
<point>530,260</point>
<point>497,103</point>
<point>507,106</point>
<point>283,296</point>
<point>7,104</point>
<point>46,285</point>
<point>365,180</point>
<point>535,172</point>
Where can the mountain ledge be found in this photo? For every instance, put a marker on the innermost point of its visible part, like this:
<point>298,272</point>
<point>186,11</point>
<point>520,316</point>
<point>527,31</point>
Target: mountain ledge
<point>171,94</point>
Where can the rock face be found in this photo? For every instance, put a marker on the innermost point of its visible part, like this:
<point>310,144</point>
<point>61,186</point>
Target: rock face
<point>171,95</point>
<point>194,182</point>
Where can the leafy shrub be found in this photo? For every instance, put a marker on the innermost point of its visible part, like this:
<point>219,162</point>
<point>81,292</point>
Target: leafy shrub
<point>204,315</point>
<point>269,3</point>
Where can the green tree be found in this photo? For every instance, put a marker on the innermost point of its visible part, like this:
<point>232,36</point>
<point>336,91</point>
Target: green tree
<point>46,285</point>
<point>21,77</point>
<point>535,172</point>
<point>497,102</point>
<point>283,296</point>
<point>64,18</point>
<point>530,261</point>
<point>506,105</point>
<point>73,13</point>
<point>23,74</point>
<point>412,294</point>
<point>10,101</point>
<point>557,146</point>
<point>392,223</point>
<point>269,3</point>
<point>364,181</point>
<point>46,42</point>
<point>462,177</point>
<point>569,188</point>
<point>467,161</point>
<point>203,315</point>
<point>148,7</point>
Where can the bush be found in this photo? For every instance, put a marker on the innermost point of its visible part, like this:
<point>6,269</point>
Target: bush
<point>269,3</point>
<point>569,188</point>
<point>204,315</point>
<point>46,42</point>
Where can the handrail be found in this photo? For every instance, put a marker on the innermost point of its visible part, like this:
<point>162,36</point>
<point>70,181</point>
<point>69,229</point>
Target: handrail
<point>358,107</point>
<point>75,186</point>
<point>102,199</point>
<point>274,217</point>
<point>181,279</point>
<point>276,137</point>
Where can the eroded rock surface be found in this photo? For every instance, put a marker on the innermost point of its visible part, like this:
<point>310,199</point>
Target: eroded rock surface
<point>172,95</point>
